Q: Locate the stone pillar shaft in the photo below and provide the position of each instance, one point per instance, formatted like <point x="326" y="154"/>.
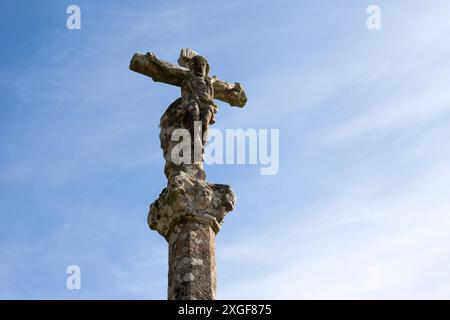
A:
<point x="192" y="263"/>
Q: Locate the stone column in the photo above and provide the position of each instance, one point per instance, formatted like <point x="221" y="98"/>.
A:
<point x="192" y="262"/>
<point x="188" y="214"/>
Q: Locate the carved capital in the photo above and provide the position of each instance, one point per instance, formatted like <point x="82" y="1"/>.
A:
<point x="189" y="198"/>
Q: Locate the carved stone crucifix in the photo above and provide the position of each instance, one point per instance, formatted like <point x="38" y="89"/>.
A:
<point x="189" y="211"/>
<point x="162" y="71"/>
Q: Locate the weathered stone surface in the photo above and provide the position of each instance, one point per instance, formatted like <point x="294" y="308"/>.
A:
<point x="192" y="199"/>
<point x="176" y="117"/>
<point x="186" y="56"/>
<point x="192" y="262"/>
<point x="160" y="71"/>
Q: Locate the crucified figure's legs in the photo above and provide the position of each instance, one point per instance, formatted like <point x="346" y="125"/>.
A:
<point x="205" y="117"/>
<point x="196" y="130"/>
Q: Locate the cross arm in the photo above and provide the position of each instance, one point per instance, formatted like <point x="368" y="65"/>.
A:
<point x="161" y="71"/>
<point x="232" y="93"/>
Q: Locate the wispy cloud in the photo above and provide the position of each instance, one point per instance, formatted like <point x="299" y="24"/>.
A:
<point x="387" y="208"/>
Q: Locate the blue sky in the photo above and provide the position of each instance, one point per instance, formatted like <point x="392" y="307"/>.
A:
<point x="364" y="119"/>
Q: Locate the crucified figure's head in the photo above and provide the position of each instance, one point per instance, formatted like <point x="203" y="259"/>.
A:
<point x="199" y="65"/>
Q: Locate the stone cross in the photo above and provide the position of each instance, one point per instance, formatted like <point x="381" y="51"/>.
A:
<point x="189" y="211"/>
